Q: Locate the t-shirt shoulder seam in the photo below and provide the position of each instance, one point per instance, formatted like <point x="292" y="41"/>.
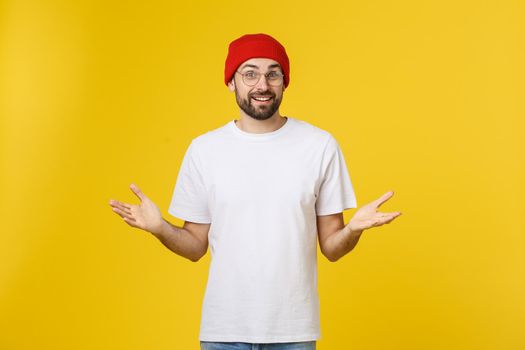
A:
<point x="313" y="127"/>
<point x="338" y="209"/>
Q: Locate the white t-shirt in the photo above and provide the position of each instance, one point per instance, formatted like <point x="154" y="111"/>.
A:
<point x="261" y="193"/>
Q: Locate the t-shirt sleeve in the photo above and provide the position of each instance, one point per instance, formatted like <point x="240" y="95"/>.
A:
<point x="336" y="192"/>
<point x="189" y="201"/>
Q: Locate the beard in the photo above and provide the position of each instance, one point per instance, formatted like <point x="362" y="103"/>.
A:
<point x="261" y="112"/>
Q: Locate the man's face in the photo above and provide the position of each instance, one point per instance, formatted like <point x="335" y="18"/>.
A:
<point x="246" y="96"/>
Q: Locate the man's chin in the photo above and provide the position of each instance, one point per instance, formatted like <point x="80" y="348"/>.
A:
<point x="260" y="116"/>
<point x="263" y="118"/>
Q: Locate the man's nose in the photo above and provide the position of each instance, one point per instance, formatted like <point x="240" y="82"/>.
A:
<point x="262" y="83"/>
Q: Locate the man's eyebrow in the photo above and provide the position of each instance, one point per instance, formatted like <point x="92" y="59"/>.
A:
<point x="276" y="65"/>
<point x="249" y="65"/>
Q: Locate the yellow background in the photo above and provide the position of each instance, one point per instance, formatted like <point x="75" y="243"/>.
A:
<point x="424" y="97"/>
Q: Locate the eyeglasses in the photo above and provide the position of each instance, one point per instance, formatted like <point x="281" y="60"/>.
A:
<point x="251" y="78"/>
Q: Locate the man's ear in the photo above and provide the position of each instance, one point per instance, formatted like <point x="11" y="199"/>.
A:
<point x="231" y="85"/>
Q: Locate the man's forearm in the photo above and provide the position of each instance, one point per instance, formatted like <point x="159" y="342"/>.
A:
<point x="180" y="241"/>
<point x="342" y="242"/>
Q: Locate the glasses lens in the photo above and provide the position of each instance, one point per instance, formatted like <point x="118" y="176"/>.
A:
<point x="251" y="78"/>
<point x="275" y="80"/>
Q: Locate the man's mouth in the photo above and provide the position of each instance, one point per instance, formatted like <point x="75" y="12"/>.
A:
<point x="262" y="99"/>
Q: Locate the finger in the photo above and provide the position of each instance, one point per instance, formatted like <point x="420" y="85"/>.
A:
<point x="122" y="213"/>
<point x="122" y="206"/>
<point x="125" y="205"/>
<point x="131" y="222"/>
<point x="389" y="219"/>
<point x="128" y="212"/>
<point x="383" y="218"/>
<point x="383" y="198"/>
<point x="391" y="214"/>
<point x="137" y="191"/>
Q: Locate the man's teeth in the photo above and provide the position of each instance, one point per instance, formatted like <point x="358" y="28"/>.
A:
<point x="262" y="98"/>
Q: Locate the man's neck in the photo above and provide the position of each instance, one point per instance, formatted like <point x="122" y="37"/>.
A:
<point x="255" y="126"/>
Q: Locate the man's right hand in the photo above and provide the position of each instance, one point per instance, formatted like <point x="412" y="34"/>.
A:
<point x="145" y="216"/>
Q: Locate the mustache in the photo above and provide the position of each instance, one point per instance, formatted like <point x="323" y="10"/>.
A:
<point x="269" y="93"/>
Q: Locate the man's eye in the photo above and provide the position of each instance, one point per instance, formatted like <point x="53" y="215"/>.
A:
<point x="250" y="74"/>
<point x="273" y="75"/>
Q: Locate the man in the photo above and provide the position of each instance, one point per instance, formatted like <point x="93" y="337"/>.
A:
<point x="260" y="191"/>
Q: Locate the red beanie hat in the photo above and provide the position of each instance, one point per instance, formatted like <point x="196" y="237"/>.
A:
<point x="255" y="46"/>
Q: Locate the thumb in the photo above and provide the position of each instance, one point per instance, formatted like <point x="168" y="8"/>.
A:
<point x="384" y="198"/>
<point x="137" y="192"/>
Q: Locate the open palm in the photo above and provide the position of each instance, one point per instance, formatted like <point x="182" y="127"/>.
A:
<point x="146" y="215"/>
<point x="367" y="216"/>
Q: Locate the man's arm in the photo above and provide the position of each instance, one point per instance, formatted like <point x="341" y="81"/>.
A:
<point x="189" y="241"/>
<point x="335" y="239"/>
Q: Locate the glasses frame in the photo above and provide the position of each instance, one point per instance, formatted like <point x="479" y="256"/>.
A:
<point x="259" y="79"/>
